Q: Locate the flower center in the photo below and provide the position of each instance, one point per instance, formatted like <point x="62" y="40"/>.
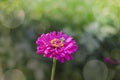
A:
<point x="57" y="42"/>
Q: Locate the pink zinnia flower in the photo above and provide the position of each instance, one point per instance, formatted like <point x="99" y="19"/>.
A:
<point x="56" y="45"/>
<point x="109" y="60"/>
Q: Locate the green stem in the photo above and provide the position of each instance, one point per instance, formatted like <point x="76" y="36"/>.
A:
<point x="53" y="69"/>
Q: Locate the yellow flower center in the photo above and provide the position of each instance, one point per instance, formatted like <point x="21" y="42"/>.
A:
<point x="57" y="42"/>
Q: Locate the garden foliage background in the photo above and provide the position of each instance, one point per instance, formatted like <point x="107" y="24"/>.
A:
<point x="95" y="25"/>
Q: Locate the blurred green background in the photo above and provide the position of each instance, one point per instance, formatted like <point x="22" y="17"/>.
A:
<point x="95" y="25"/>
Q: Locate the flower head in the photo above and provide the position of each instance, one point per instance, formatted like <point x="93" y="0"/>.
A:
<point x="56" y="45"/>
<point x="109" y="60"/>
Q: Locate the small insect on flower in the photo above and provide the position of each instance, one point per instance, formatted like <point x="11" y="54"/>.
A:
<point x="56" y="45"/>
